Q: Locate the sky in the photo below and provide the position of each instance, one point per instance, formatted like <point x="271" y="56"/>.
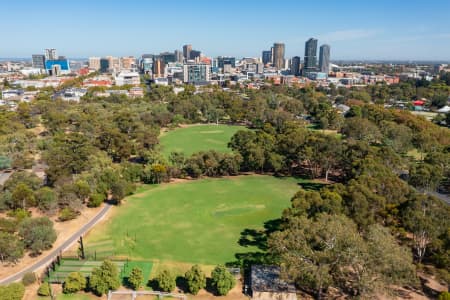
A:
<point x="355" y="29"/>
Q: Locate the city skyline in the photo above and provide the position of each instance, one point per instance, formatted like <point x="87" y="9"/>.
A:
<point x="417" y="31"/>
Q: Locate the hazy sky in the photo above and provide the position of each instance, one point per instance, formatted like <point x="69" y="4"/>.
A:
<point x="355" y="29"/>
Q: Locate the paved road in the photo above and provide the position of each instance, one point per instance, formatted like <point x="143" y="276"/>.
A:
<point x="55" y="252"/>
<point x="443" y="197"/>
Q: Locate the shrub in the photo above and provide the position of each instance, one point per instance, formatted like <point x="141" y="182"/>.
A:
<point x="67" y="214"/>
<point x="166" y="281"/>
<point x="44" y="289"/>
<point x="29" y="279"/>
<point x="222" y="280"/>
<point x="444" y="296"/>
<point x="75" y="282"/>
<point x="95" y="200"/>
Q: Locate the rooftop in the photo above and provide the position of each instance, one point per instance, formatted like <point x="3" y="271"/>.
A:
<point x="267" y="279"/>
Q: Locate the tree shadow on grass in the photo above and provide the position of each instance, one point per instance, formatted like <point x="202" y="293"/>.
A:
<point x="311" y="186"/>
<point x="258" y="239"/>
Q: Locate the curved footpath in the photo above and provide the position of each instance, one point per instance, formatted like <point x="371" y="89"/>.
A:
<point x="43" y="262"/>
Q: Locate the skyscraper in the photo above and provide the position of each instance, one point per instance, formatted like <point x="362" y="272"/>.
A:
<point x="178" y="55"/>
<point x="38" y="61"/>
<point x="324" y="59"/>
<point x="310" y="55"/>
<point x="278" y="55"/>
<point x="266" y="57"/>
<point x="295" y="66"/>
<point x="194" y="54"/>
<point x="50" y="54"/>
<point x="94" y="63"/>
<point x="187" y="51"/>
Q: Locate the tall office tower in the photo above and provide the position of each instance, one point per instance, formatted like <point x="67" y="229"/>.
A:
<point x="178" y="55"/>
<point x="105" y="65"/>
<point x="194" y="54"/>
<point x="187" y="51"/>
<point x="50" y="54"/>
<point x="94" y="63"/>
<point x="266" y="57"/>
<point x="128" y="62"/>
<point x="324" y="59"/>
<point x="168" y="57"/>
<point x="310" y="55"/>
<point x="295" y="66"/>
<point x="278" y="55"/>
<point x="158" y="67"/>
<point x="196" y="73"/>
<point x="38" y="61"/>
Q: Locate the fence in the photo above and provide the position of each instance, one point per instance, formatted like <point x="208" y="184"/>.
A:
<point x="135" y="294"/>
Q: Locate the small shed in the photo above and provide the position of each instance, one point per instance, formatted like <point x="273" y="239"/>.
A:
<point x="266" y="284"/>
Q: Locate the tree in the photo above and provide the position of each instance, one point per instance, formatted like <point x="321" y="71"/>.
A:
<point x="44" y="289"/>
<point x="328" y="251"/>
<point x="166" y="281"/>
<point x="46" y="200"/>
<point x="74" y="282"/>
<point x="135" y="279"/>
<point x="13" y="291"/>
<point x="196" y="279"/>
<point x="38" y="234"/>
<point x="23" y="196"/>
<point x="423" y="217"/>
<point x="11" y="248"/>
<point x="222" y="280"/>
<point x="68" y="154"/>
<point x="361" y="129"/>
<point x="104" y="278"/>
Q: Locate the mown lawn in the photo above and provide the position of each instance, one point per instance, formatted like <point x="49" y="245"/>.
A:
<point x="193" y="222"/>
<point x="197" y="138"/>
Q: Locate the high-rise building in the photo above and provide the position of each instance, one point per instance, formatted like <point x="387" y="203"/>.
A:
<point x="50" y="54"/>
<point x="278" y="55"/>
<point x="158" y="67"/>
<point x="310" y="55"/>
<point x="38" y="61"/>
<point x="295" y="66"/>
<point x="178" y="55"/>
<point x="187" y="51"/>
<point x="104" y="65"/>
<point x="267" y="57"/>
<point x="94" y="63"/>
<point x="128" y="62"/>
<point x="226" y="60"/>
<point x="196" y="73"/>
<point x="324" y="59"/>
<point x="194" y="54"/>
<point x="168" y="57"/>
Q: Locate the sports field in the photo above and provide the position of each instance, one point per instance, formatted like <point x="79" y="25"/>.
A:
<point x="193" y="222"/>
<point x="196" y="138"/>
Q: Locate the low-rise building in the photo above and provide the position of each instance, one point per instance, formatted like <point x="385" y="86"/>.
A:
<point x="131" y="78"/>
<point x="266" y="284"/>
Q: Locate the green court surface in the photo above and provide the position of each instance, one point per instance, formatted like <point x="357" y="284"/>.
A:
<point x="85" y="267"/>
<point x="197" y="138"/>
<point x="193" y="222"/>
